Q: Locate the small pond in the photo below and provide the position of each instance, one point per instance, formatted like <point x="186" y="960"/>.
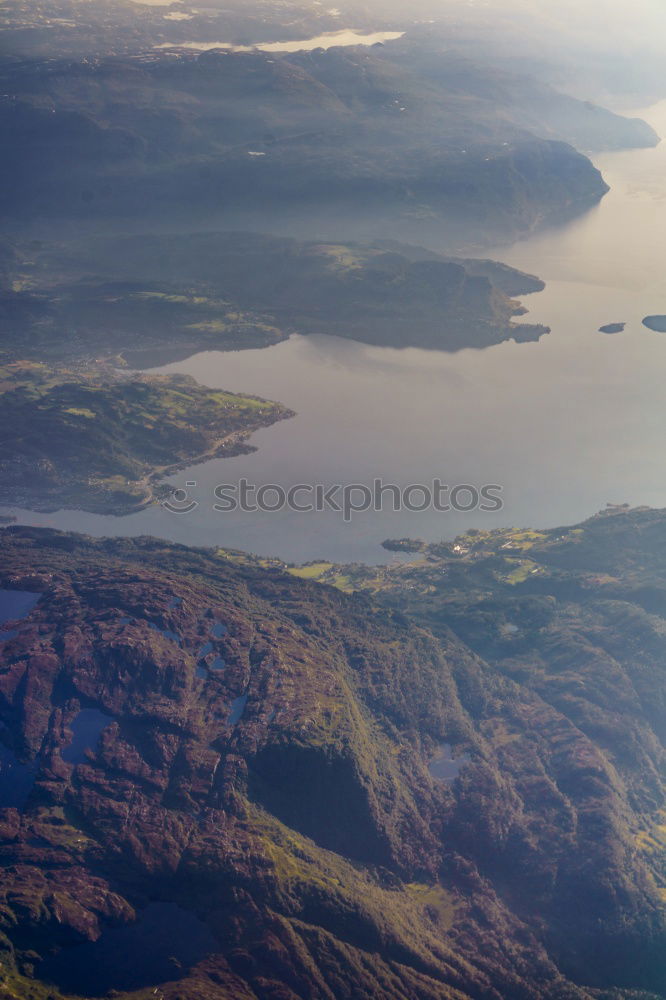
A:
<point x="86" y="728"/>
<point x="15" y="604"/>
<point x="161" y="945"/>
<point x="237" y="710"/>
<point x="16" y="779"/>
<point x="444" y="766"/>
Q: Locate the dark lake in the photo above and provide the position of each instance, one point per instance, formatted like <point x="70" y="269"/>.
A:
<point x="163" y="944"/>
<point x="87" y="729"/>
<point x="16" y="604"/>
<point x="16" y="779"/>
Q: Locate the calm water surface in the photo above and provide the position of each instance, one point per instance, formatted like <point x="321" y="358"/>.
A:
<point x="565" y="425"/>
<point x="328" y="40"/>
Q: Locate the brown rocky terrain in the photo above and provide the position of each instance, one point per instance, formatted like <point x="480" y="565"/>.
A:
<point x="226" y="773"/>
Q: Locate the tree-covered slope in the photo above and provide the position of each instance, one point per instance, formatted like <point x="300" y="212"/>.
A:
<point x="183" y="293"/>
<point x="101" y="440"/>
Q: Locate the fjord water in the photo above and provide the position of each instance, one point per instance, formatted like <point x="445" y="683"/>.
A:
<point x="564" y="425"/>
<point x="328" y="40"/>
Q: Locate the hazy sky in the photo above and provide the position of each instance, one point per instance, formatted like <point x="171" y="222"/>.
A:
<point x="642" y="21"/>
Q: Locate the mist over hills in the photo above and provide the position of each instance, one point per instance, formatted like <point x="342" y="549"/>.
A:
<point x="391" y="141"/>
<point x="592" y="50"/>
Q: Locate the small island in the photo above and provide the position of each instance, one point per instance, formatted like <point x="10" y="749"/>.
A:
<point x="656" y="323"/>
<point x="404" y="544"/>
<point x="612" y="328"/>
<point x="100" y="440"/>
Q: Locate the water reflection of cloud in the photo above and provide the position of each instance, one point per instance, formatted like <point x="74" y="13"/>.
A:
<point x="359" y="359"/>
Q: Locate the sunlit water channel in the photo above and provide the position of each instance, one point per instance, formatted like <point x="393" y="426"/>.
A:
<point x="564" y="425"/>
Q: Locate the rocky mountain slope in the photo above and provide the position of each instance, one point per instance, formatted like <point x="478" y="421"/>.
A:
<point x="237" y="773"/>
